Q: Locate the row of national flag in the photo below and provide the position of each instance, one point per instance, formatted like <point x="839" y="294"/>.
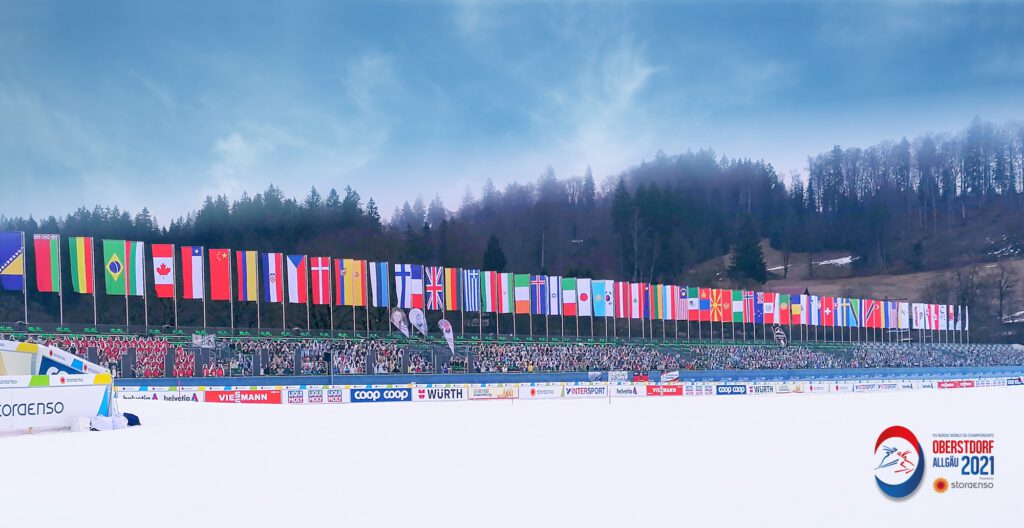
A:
<point x="321" y="280"/>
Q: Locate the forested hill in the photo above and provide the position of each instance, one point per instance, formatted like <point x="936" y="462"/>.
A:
<point x="898" y="206"/>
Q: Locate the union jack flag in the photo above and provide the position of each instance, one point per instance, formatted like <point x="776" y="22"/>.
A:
<point x="434" y="287"/>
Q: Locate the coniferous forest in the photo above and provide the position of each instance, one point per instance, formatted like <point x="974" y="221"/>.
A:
<point x="898" y="206"/>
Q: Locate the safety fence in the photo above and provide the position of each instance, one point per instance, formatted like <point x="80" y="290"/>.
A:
<point x="608" y="385"/>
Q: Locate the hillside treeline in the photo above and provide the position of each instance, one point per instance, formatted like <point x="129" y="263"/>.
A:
<point x="652" y="222"/>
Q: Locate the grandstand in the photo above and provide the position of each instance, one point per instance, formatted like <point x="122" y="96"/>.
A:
<point x="179" y="357"/>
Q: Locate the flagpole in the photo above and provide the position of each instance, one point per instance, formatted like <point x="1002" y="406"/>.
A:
<point x="174" y="250"/>
<point x="127" y="321"/>
<point x="330" y="290"/>
<point x="92" y="266"/>
<point x="60" y="282"/>
<point x="202" y="258"/>
<point x="259" y="321"/>
<point x="231" y="293"/>
<point x="145" y="297"/>
<point x="306" y="257"/>
<point x="366" y="298"/>
<point x="24" y="275"/>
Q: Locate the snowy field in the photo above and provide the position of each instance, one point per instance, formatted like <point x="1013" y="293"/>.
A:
<point x="789" y="460"/>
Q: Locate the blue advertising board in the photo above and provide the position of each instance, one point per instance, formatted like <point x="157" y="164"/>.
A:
<point x="381" y="395"/>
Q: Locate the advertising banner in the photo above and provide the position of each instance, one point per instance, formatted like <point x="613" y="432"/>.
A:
<point x="664" y="390"/>
<point x="818" y="388"/>
<point x="762" y="389"/>
<point x="627" y="391"/>
<point x="338" y="396"/>
<point x="170" y="396"/>
<point x="381" y="395"/>
<point x="295" y="397"/>
<point x="242" y="396"/>
<point x="730" y="389"/>
<point x="540" y="392"/>
<point x="493" y="393"/>
<point x="956" y="384"/>
<point x="425" y="394"/>
<point x="619" y="376"/>
<point x="585" y="391"/>
<point x="23" y="408"/>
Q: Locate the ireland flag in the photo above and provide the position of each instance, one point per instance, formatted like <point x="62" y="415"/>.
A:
<point x="123" y="267"/>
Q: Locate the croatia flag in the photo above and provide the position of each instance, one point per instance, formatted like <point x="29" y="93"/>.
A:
<point x="192" y="272"/>
<point x="273" y="278"/>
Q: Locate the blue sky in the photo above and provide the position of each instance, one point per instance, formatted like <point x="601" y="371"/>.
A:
<point x="159" y="104"/>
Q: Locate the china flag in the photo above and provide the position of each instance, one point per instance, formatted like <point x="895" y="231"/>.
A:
<point x="220" y="274"/>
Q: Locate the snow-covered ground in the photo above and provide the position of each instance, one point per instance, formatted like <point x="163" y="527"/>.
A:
<point x="786" y="460"/>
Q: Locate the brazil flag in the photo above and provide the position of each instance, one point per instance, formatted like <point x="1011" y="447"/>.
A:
<point x="123" y="267"/>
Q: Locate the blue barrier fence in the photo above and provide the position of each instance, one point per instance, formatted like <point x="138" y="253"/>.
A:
<point x="698" y="376"/>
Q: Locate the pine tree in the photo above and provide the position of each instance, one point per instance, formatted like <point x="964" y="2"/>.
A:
<point x="747" y="257"/>
<point x="494" y="256"/>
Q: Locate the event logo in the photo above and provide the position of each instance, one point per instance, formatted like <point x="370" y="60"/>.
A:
<point x="898" y="462"/>
<point x="941" y="485"/>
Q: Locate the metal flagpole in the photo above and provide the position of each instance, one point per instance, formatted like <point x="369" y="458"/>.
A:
<point x="24" y="276"/>
<point x="353" y="320"/>
<point x="60" y="283"/>
<point x="174" y="250"/>
<point x="145" y="297"/>
<point x="202" y="263"/>
<point x="284" y="325"/>
<point x="366" y="298"/>
<point x="306" y="257"/>
<point x="330" y="290"/>
<point x="127" y="321"/>
<point x="259" y="318"/>
<point x="388" y="301"/>
<point x="92" y="266"/>
<point x="231" y="293"/>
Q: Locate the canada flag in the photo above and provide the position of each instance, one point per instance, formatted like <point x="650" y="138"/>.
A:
<point x="163" y="270"/>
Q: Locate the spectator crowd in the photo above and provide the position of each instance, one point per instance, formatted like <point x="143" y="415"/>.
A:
<point x="286" y="357"/>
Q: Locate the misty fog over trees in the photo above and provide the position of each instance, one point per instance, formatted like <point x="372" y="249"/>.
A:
<point x="649" y="223"/>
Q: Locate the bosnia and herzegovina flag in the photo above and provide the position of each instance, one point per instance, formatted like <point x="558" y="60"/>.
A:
<point x="124" y="267"/>
<point x="12" y="261"/>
